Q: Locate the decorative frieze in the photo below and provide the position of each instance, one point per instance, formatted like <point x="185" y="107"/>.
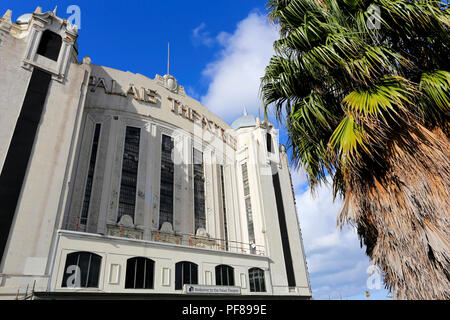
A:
<point x="167" y="237"/>
<point x="126" y="232"/>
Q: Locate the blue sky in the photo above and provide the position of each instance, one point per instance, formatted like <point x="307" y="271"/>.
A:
<point x="218" y="53"/>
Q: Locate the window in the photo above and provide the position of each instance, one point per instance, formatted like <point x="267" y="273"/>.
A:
<point x="82" y="270"/>
<point x="139" y="273"/>
<point x="224" y="209"/>
<point x="166" y="191"/>
<point x="199" y="190"/>
<point x="269" y="142"/>
<point x="90" y="177"/>
<point x="283" y="231"/>
<point x="248" y="208"/>
<point x="224" y="275"/>
<point x="50" y="45"/>
<point x="256" y="278"/>
<point x="127" y="199"/>
<point x="19" y="152"/>
<point x="185" y="273"/>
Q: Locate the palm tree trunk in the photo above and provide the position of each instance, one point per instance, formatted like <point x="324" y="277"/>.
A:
<point x="402" y="212"/>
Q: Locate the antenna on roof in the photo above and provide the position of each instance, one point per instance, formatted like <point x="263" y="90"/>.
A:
<point x="168" y="58"/>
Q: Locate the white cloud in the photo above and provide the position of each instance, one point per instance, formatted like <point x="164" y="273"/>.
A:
<point x="235" y="75"/>
<point x="201" y="36"/>
<point x="299" y="179"/>
<point x="337" y="264"/>
<point x="192" y="92"/>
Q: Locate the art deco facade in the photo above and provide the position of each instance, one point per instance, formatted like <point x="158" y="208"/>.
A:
<point x="117" y="185"/>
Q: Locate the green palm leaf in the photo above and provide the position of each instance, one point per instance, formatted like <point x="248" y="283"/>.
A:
<point x="436" y="87"/>
<point x="348" y="137"/>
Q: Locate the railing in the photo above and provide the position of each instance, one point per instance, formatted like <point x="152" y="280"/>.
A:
<point x="191" y="240"/>
<point x="27" y="295"/>
<point x="80" y="226"/>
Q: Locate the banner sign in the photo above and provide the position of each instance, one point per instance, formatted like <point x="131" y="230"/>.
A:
<point x="211" y="290"/>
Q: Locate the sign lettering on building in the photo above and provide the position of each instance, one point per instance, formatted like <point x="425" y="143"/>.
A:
<point x="192" y="115"/>
<point x="111" y="87"/>
<point x="211" y="290"/>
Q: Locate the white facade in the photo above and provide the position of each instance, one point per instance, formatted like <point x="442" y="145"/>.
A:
<point x="97" y="185"/>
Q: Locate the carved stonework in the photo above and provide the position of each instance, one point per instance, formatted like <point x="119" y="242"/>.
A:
<point x="170" y="83"/>
<point x="202" y="242"/>
<point x="126" y="221"/>
<point x="165" y="130"/>
<point x="166" y="237"/>
<point x="167" y="228"/>
<point x="36" y="24"/>
<point x="126" y="232"/>
<point x="5" y="22"/>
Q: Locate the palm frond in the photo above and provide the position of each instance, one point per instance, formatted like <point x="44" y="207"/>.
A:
<point x="436" y="87"/>
<point x="349" y="137"/>
<point x="391" y="94"/>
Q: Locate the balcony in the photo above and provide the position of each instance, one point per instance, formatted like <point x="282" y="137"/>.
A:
<point x="166" y="250"/>
<point x="197" y="241"/>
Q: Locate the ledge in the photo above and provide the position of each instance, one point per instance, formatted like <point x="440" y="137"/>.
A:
<point x="157" y="296"/>
<point x="155" y="243"/>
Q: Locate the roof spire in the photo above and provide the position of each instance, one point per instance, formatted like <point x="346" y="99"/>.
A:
<point x="245" y="111"/>
<point x="7" y="16"/>
<point x="168" y="58"/>
<point x="6" y="23"/>
<point x="55" y="11"/>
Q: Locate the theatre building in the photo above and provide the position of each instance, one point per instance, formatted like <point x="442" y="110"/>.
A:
<point x="116" y="185"/>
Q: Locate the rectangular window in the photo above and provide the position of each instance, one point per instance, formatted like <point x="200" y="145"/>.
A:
<point x="139" y="274"/>
<point x="199" y="190"/>
<point x="224" y="209"/>
<point x="224" y="275"/>
<point x="269" y="142"/>
<point x="90" y="177"/>
<point x="19" y="152"/>
<point x="50" y="45"/>
<point x="167" y="178"/>
<point x="82" y="270"/>
<point x="284" y="232"/>
<point x="128" y="185"/>
<point x="248" y="207"/>
<point x="185" y="273"/>
<point x="256" y="279"/>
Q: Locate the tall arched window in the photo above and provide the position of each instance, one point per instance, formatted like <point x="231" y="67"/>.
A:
<point x="224" y="275"/>
<point x="139" y="273"/>
<point x="130" y="166"/>
<point x="185" y="273"/>
<point x="167" y="178"/>
<point x="199" y="190"/>
<point x="50" y="45"/>
<point x="90" y="177"/>
<point x="248" y="208"/>
<point x="82" y="270"/>
<point x="257" y="281"/>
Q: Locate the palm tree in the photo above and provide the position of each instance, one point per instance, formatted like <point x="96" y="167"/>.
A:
<point x="366" y="100"/>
